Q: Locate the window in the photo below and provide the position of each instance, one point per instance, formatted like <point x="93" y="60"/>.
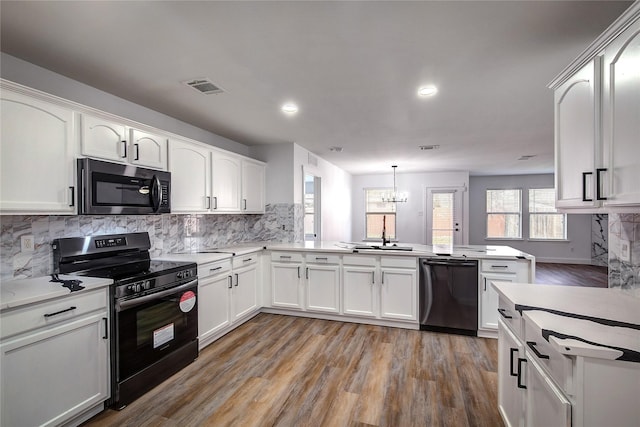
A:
<point x="544" y="221"/>
<point x="378" y="212"/>
<point x="504" y="214"/>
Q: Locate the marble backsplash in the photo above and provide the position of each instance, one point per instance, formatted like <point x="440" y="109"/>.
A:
<point x="624" y="252"/>
<point x="168" y="233"/>
<point x="600" y="239"/>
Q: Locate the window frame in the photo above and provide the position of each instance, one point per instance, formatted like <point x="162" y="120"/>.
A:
<point x="367" y="213"/>
<point x="555" y="213"/>
<point x="519" y="213"/>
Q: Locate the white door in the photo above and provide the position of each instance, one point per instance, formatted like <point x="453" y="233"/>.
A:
<point x="253" y="182"/>
<point x="148" y="150"/>
<point x="190" y="169"/>
<point x="489" y="298"/>
<point x="359" y="284"/>
<point x="245" y="292"/>
<point x="510" y="396"/>
<point x="225" y="186"/>
<point x="104" y="139"/>
<point x="398" y="294"/>
<point x="285" y="285"/>
<point x="323" y="288"/>
<point x="445" y="216"/>
<point x="312" y="197"/>
<point x="213" y="306"/>
<point x="545" y="404"/>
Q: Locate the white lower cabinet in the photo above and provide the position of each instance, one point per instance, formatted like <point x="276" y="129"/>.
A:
<point x="322" y="277"/>
<point x="55" y="373"/>
<point x="398" y="288"/>
<point x="546" y="405"/>
<point x="244" y="293"/>
<point x="499" y="271"/>
<point x="359" y="292"/>
<point x="286" y="280"/>
<point x="510" y="395"/>
<point x="214" y="295"/>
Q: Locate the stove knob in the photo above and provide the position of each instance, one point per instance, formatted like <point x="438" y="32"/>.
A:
<point x="147" y="284"/>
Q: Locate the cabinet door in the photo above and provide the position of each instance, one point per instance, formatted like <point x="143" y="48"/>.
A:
<point x="253" y="182"/>
<point x="398" y="294"/>
<point x="37" y="156"/>
<point x="213" y="306"/>
<point x="576" y="117"/>
<point x="190" y="169"/>
<point x="148" y="150"/>
<point x="545" y="404"/>
<point x="510" y="396"/>
<point x="225" y="186"/>
<point x="245" y="292"/>
<point x="359" y="291"/>
<point x="323" y="288"/>
<point x="285" y="285"/>
<point x="622" y="117"/>
<point x="489" y="298"/>
<point x="104" y="139"/>
<point x="55" y="373"/>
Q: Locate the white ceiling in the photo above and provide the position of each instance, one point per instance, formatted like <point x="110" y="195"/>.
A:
<point x="352" y="67"/>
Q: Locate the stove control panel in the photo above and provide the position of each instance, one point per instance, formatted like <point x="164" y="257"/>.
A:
<point x="185" y="274"/>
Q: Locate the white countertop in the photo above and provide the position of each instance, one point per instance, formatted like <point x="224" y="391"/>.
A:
<point x="206" y="255"/>
<point x="15" y="293"/>
<point x="580" y="321"/>
<point x="463" y="251"/>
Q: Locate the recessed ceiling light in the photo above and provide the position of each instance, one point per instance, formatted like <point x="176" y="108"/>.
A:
<point x="290" y="108"/>
<point x="427" y="91"/>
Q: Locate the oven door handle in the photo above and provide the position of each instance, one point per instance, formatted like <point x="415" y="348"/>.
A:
<point x="123" y="305"/>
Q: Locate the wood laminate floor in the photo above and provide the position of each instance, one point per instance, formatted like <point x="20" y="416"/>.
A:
<point x="288" y="371"/>
<point x="572" y="275"/>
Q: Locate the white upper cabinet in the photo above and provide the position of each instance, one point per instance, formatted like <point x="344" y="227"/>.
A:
<point x="226" y="182"/>
<point x="621" y="118"/>
<point x="576" y="117"/>
<point x="597" y="121"/>
<point x="104" y="139"/>
<point x="109" y="140"/>
<point x="190" y="168"/>
<point x="253" y="186"/>
<point x="37" y="156"/>
<point x="148" y="149"/>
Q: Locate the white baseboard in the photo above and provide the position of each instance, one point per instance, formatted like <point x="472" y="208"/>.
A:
<point x="586" y="261"/>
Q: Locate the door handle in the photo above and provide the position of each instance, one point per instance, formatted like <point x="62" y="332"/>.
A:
<point x="215" y="202"/>
<point x="584" y="186"/>
<point x="306" y="273"/>
<point x="511" y="353"/>
<point x="208" y="202"/>
<point x="73" y="196"/>
<point x="60" y="312"/>
<point x="599" y="184"/>
<point x="137" y="151"/>
<point x="237" y="279"/>
<point x="106" y="329"/>
<point x="124" y="144"/>
<point x="503" y="313"/>
<point x="519" y="375"/>
<point x="230" y="282"/>
<point x="244" y="203"/>
<point x="532" y="346"/>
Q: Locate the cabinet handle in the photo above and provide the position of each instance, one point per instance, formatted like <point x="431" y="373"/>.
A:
<point x="244" y="203"/>
<point x="208" y="202"/>
<point x="598" y="183"/>
<point x="511" y="352"/>
<point x="298" y="272"/>
<point x="60" y="312"/>
<point x="124" y="144"/>
<point x="520" y="385"/>
<point x="503" y="313"/>
<point x="237" y="279"/>
<point x="323" y="258"/>
<point x="382" y="276"/>
<point x="106" y="329"/>
<point x="215" y="269"/>
<point x="285" y="256"/>
<point x="485" y="284"/>
<point x="215" y="202"/>
<point x="247" y="260"/>
<point x="584" y="186"/>
<point x="373" y="278"/>
<point x="137" y="151"/>
<point x="230" y="281"/>
<point x="532" y="346"/>
<point x="499" y="266"/>
<point x="306" y="273"/>
<point x="73" y="196"/>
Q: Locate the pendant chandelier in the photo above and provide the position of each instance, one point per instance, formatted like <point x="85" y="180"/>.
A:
<point x="394" y="196"/>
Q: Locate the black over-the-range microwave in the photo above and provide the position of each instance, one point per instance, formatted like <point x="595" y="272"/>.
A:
<point x="107" y="188"/>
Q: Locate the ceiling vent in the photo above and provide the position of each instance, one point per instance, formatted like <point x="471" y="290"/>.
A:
<point x="527" y="157"/>
<point x="429" y="147"/>
<point x="204" y="85"/>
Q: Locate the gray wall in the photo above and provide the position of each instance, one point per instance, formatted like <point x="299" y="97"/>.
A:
<point x="577" y="248"/>
<point x="27" y="74"/>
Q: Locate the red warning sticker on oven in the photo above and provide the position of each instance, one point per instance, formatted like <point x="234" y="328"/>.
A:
<point x="187" y="301"/>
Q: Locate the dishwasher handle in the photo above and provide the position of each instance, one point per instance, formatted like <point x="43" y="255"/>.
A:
<point x="456" y="263"/>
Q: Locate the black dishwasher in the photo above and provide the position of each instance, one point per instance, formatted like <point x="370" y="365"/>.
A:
<point x="449" y="295"/>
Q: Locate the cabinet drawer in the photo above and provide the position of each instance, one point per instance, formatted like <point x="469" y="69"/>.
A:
<point x="322" y="259"/>
<point x="53" y="311"/>
<point x="214" y="268"/>
<point x="369" y="261"/>
<point x="400" y="262"/>
<point x="510" y="316"/>
<point x="245" y="260"/>
<point x="286" y="257"/>
<point x="558" y="366"/>
<point x="497" y="265"/>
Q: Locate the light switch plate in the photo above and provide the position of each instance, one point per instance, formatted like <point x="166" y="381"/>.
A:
<point x="625" y="250"/>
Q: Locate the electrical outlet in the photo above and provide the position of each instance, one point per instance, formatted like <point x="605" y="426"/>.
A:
<point x="26" y="243"/>
<point x="625" y="250"/>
